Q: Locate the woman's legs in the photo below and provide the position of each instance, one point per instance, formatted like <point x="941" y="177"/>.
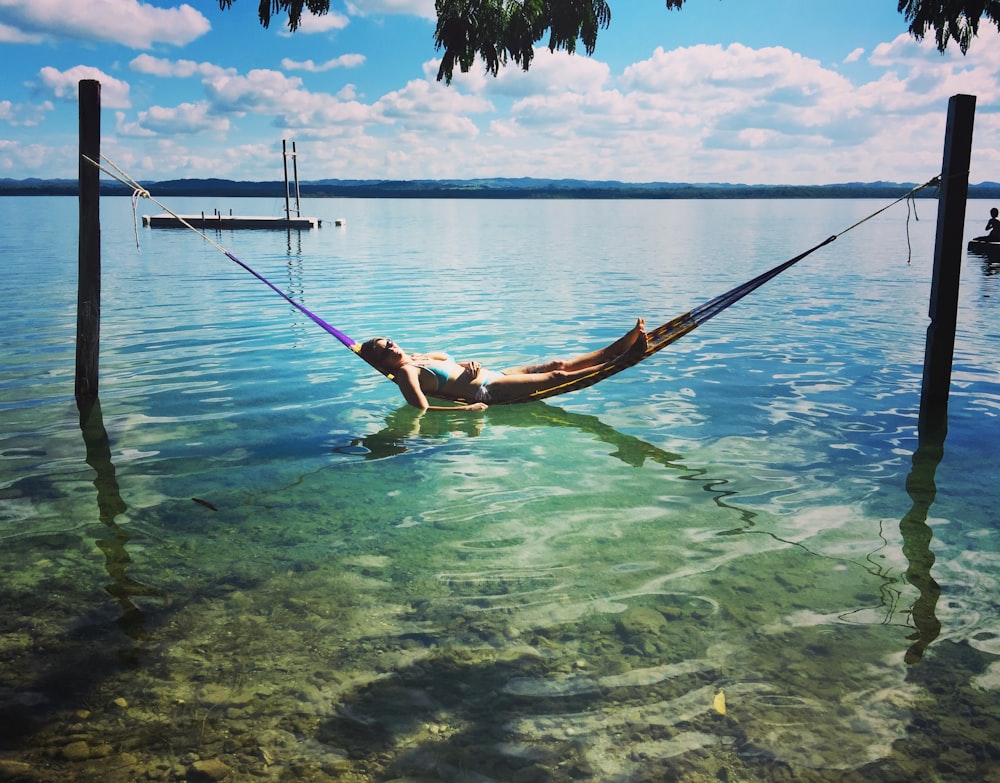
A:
<point x="636" y="336"/>
<point x="513" y="385"/>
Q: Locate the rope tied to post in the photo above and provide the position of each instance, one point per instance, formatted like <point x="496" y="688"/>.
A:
<point x="138" y="191"/>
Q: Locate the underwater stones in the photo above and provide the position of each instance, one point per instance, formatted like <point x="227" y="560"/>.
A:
<point x="637" y="621"/>
<point x="640" y="627"/>
<point x="10" y="769"/>
<point x="207" y="771"/>
<point x="536" y="773"/>
<point x="76" y="751"/>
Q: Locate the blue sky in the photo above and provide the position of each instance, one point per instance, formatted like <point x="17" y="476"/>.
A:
<point x="761" y="91"/>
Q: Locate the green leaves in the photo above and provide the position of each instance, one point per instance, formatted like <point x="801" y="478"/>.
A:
<point x="267" y="8"/>
<point x="500" y="31"/>
<point x="951" y="20"/>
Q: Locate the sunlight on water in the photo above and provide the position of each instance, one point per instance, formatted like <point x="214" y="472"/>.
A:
<point x="251" y="553"/>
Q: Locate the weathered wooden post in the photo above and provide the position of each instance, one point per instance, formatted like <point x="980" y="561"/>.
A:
<point x="938" y="356"/>
<point x="948" y="252"/>
<point x="88" y="303"/>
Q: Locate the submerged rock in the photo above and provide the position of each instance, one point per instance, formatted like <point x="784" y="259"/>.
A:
<point x="76" y="751"/>
<point x="638" y="621"/>
<point x="207" y="771"/>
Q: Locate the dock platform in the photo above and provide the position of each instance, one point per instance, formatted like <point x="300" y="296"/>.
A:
<point x="219" y="221"/>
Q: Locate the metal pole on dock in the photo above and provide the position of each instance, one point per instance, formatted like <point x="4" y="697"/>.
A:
<point x="88" y="304"/>
<point x="940" y="345"/>
<point x="295" y="168"/>
<point x="284" y="159"/>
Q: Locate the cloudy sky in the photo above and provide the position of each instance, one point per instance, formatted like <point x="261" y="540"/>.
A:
<point x="750" y="91"/>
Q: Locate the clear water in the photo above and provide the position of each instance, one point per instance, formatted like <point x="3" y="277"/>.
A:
<point x="253" y="554"/>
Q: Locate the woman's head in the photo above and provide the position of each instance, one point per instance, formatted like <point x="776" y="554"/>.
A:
<point x="378" y="351"/>
<point x="994" y="212"/>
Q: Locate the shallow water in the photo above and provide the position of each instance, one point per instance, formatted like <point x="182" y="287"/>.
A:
<point x="251" y="554"/>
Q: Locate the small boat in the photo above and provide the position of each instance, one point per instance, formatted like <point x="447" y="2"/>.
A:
<point x="984" y="248"/>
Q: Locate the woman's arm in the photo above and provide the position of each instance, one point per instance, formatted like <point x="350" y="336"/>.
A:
<point x="408" y="380"/>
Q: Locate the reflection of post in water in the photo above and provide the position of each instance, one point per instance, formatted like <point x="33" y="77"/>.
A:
<point x="917" y="533"/>
<point x="110" y="505"/>
<point x="939" y="355"/>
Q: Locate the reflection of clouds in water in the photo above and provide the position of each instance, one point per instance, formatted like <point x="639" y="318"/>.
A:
<point x="988" y="680"/>
<point x="968" y="609"/>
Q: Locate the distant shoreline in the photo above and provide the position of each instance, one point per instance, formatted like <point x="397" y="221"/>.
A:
<point x="500" y="188"/>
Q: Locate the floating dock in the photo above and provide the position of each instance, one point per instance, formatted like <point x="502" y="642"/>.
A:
<point x="223" y="222"/>
<point x="219" y="221"/>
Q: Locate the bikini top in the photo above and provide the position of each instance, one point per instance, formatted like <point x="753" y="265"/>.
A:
<point x="435" y="368"/>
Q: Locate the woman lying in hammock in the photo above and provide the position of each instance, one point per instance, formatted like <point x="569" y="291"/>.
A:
<point x="438" y="375"/>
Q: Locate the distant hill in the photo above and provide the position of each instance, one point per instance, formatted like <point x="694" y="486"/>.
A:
<point x="500" y="187"/>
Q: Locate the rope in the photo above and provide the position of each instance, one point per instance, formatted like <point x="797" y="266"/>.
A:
<point x="931" y="182"/>
<point x="140" y="192"/>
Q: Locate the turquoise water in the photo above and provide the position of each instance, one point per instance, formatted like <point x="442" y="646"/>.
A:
<point x="251" y="554"/>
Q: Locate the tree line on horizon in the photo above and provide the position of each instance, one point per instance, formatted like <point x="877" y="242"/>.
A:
<point x="512" y="188"/>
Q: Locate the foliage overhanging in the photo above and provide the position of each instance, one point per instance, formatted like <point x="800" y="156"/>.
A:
<point x="502" y="31"/>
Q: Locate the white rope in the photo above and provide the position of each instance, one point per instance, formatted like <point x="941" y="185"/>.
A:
<point x="138" y="191"/>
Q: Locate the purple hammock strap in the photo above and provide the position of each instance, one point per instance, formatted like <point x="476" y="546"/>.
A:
<point x="352" y="344"/>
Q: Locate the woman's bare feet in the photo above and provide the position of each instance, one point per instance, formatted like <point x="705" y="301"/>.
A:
<point x="638" y="341"/>
<point x="634" y="340"/>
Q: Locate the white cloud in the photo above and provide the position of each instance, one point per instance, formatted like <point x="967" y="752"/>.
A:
<point x="24" y="115"/>
<point x="918" y="77"/>
<point x="698" y="113"/>
<point x="158" y="66"/>
<point x="429" y="106"/>
<point x="130" y="130"/>
<point x="322" y="23"/>
<point x="711" y="113"/>
<point x="35" y="115"/>
<point x="10" y="34"/>
<point x="854" y="56"/>
<point x="19" y="156"/>
<point x="422" y="8"/>
<point x="127" y="22"/>
<point x="65" y="85"/>
<point x="267" y="92"/>
<point x="185" y="119"/>
<point x="344" y="61"/>
<point x="550" y="73"/>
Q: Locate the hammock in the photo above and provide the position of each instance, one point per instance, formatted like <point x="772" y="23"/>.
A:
<point x="663" y="335"/>
<point x="657" y="339"/>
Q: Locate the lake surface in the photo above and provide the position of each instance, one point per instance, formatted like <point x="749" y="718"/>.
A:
<point x="250" y="555"/>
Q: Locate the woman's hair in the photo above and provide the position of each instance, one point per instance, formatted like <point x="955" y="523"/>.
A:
<point x="369" y="350"/>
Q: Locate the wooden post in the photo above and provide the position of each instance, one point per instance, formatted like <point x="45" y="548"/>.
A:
<point x="88" y="304"/>
<point x="948" y="253"/>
